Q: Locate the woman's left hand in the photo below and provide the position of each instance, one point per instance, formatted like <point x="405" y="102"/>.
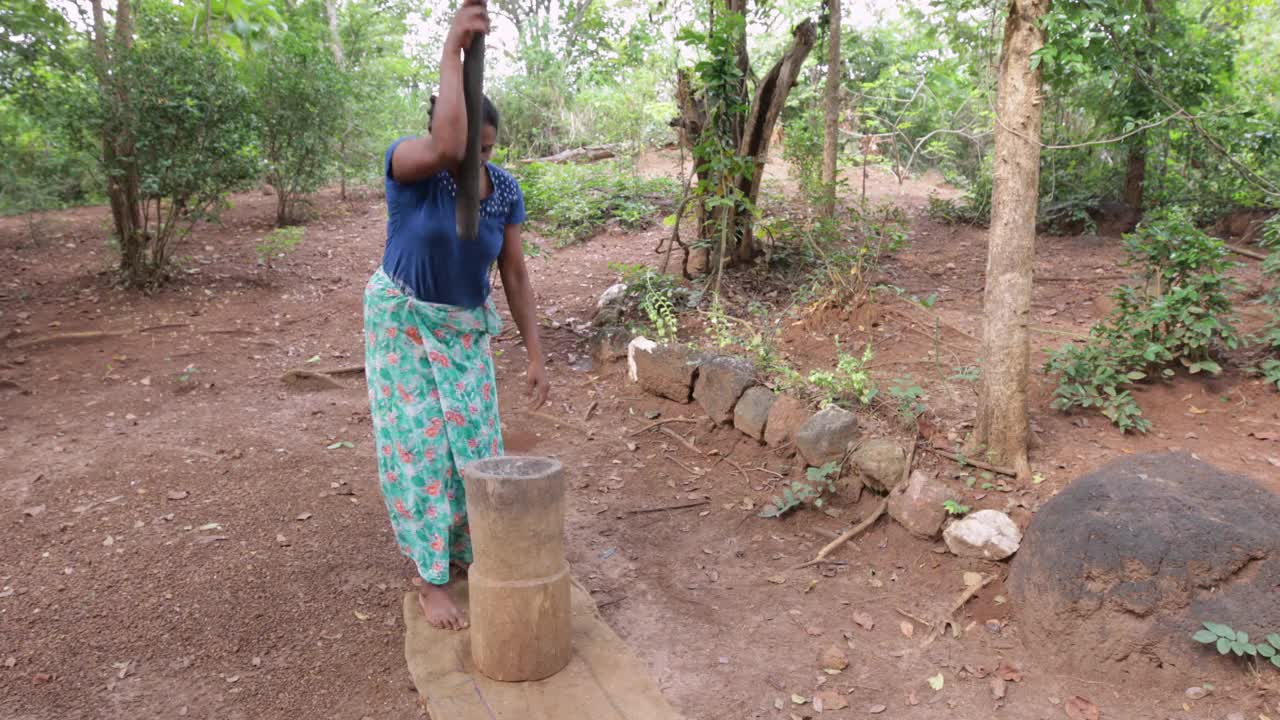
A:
<point x="538" y="384"/>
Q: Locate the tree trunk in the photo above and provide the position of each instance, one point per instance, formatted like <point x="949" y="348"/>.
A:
<point x="771" y="96"/>
<point x="1135" y="174"/>
<point x="831" y="110"/>
<point x="335" y="39"/>
<point x="1002" y="428"/>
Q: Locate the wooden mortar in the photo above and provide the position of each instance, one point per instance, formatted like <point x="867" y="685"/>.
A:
<point x="519" y="581"/>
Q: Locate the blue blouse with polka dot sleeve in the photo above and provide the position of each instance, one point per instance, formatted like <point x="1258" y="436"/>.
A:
<point x="424" y="253"/>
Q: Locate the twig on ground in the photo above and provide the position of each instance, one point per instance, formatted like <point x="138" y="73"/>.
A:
<point x="949" y="619"/>
<point x="970" y="461"/>
<point x="767" y="471"/>
<point x="682" y="441"/>
<point x="846" y="535"/>
<point x="67" y="337"/>
<point x="738" y="467"/>
<point x="916" y="618"/>
<point x="664" y="508"/>
<point x="660" y="423"/>
<point x="686" y="468"/>
<point x="1244" y="252"/>
<point x="166" y="326"/>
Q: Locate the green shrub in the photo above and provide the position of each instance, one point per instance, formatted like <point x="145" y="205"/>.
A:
<point x="570" y="202"/>
<point x="818" y="481"/>
<point x="1181" y="314"/>
<point x="1269" y="338"/>
<point x="279" y="242"/>
<point x="1228" y="641"/>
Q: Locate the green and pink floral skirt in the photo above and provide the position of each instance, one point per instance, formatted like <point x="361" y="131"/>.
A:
<point x="435" y="408"/>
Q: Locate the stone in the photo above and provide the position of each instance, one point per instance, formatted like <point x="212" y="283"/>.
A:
<point x="786" y="415"/>
<point x="1118" y="570"/>
<point x="663" y="370"/>
<point x="879" y="464"/>
<point x="720" y="383"/>
<point x="826" y="436"/>
<point x="612" y="295"/>
<point x="986" y="534"/>
<point x="917" y="504"/>
<point x="609" y="344"/>
<point x="751" y="414"/>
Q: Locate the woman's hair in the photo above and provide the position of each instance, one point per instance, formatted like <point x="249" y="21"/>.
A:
<point x="490" y="113"/>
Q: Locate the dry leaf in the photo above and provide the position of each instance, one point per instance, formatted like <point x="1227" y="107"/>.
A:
<point x="997" y="687"/>
<point x="876" y="709"/>
<point x="360" y="616"/>
<point x="1264" y="435"/>
<point x="972" y="579"/>
<point x="937" y="681"/>
<point x="778" y="579"/>
<point x="778" y="704"/>
<point x="864" y="620"/>
<point x="177" y="494"/>
<point x="1080" y="709"/>
<point x="833" y="658"/>
<point x="33" y="510"/>
<point x="109" y="541"/>
<point x="1196" y="411"/>
<point x="799" y="699"/>
<point x="829" y="700"/>
<point x="907" y="628"/>
<point x="812" y="584"/>
<point x="1008" y="672"/>
<point x="303" y="516"/>
<point x="10" y="661"/>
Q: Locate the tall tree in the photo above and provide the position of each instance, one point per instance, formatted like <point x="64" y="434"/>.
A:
<point x="1003" y="427"/>
<point x="831" y="109"/>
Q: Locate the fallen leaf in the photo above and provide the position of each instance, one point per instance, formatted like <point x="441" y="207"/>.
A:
<point x="109" y="541"/>
<point x="972" y="579"/>
<point x="303" y="516"/>
<point x="907" y="628"/>
<point x="210" y="526"/>
<point x="829" y="700"/>
<point x="340" y="444"/>
<point x="778" y="704"/>
<point x="33" y="510"/>
<point x="1264" y="435"/>
<point x="206" y="539"/>
<point x="232" y="678"/>
<point x="284" y="541"/>
<point x="833" y="658"/>
<point x="876" y="709"/>
<point x="10" y="661"/>
<point x="145" y="381"/>
<point x="313" y="359"/>
<point x="1197" y="692"/>
<point x="1274" y="461"/>
<point x="177" y="494"/>
<point x="40" y="679"/>
<point x="778" y="579"/>
<point x="997" y="687"/>
<point x="123" y="668"/>
<point x="912" y="700"/>
<point x="360" y="616"/>
<point x="1008" y="672"/>
<point x="864" y="620"/>
<point x="1079" y="708"/>
<point x="1195" y="410"/>
<point x="812" y="584"/>
<point x="937" y="681"/>
<point x="799" y="699"/>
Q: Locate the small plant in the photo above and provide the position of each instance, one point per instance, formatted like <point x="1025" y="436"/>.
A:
<point x="655" y="295"/>
<point x="278" y="243"/>
<point x="1179" y="315"/>
<point x="954" y="508"/>
<point x="1269" y="337"/>
<point x="757" y="341"/>
<point x="818" y="481"/>
<point x="1229" y="641"/>
<point x="907" y="398"/>
<point x="850" y="381"/>
<point x="966" y="373"/>
<point x="571" y="202"/>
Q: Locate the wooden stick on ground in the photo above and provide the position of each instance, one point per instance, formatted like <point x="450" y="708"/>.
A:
<point x="664" y="508"/>
<point x="846" y="535"/>
<point x="681" y="440"/>
<point x="1244" y="252"/>
<point x="871" y="519"/>
<point x="949" y="619"/>
<point x="970" y="461"/>
<point x="660" y="423"/>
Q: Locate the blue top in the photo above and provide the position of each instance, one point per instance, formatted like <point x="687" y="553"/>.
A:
<point x="424" y="253"/>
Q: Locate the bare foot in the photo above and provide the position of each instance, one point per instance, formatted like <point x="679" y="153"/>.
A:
<point x="438" y="607"/>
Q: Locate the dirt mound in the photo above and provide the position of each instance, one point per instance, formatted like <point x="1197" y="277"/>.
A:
<point x="1125" y="563"/>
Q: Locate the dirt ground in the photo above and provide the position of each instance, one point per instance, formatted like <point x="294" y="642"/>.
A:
<point x="187" y="535"/>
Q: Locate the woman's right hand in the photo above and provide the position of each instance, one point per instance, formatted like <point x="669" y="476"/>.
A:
<point x="471" y="18"/>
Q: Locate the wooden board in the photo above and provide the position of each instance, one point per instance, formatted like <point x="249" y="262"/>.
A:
<point x="604" y="680"/>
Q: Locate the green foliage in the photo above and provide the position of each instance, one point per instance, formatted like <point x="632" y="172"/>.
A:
<point x="850" y="381"/>
<point x="818" y="482"/>
<point x="1269" y="337"/>
<point x="908" y="400"/>
<point x="973" y="208"/>
<point x="655" y="295"/>
<point x="758" y="340"/>
<point x="571" y="202"/>
<point x="954" y="508"/>
<point x="191" y="140"/>
<point x="1228" y="641"/>
<point x="1180" y="315"/>
<point x="299" y="96"/>
<point x="278" y="243"/>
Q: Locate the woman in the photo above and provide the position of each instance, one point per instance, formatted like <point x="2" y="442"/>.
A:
<point x="428" y="320"/>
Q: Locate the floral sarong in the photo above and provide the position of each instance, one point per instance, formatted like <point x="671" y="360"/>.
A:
<point x="435" y="408"/>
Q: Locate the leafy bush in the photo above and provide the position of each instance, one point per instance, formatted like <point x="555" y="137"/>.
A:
<point x="653" y="294"/>
<point x="972" y="209"/>
<point x="1269" y="338"/>
<point x="1180" y="315"/>
<point x="850" y="382"/>
<point x="908" y="400"/>
<point x="570" y="202"/>
<point x="299" y="95"/>
<point x="818" y="481"/>
<point x="278" y="242"/>
<point x="1228" y="641"/>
